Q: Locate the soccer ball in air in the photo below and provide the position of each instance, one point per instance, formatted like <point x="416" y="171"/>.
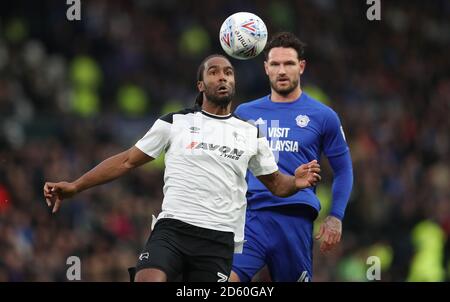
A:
<point x="243" y="35"/>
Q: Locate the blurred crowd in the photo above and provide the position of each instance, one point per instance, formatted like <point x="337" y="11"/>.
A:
<point x="75" y="92"/>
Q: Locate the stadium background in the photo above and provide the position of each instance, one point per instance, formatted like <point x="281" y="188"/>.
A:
<point x="74" y="93"/>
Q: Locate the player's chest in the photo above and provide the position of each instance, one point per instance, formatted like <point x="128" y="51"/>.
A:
<point x="290" y="127"/>
<point x="216" y="139"/>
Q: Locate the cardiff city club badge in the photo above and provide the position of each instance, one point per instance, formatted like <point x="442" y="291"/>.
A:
<point x="302" y="120"/>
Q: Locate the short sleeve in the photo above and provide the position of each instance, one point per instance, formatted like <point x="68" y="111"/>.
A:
<point x="156" y="139"/>
<point x="334" y="139"/>
<point x="263" y="162"/>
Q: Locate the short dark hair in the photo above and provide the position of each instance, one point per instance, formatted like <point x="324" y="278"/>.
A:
<point x="286" y="40"/>
<point x="200" y="70"/>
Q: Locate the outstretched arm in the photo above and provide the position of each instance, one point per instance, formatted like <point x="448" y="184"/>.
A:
<point x="106" y="171"/>
<point x="283" y="185"/>
<point x="331" y="229"/>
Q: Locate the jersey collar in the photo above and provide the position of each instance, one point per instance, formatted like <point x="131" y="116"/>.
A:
<point x="220" y="117"/>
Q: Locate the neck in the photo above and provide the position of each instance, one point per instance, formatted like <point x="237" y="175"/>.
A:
<point x="280" y="98"/>
<point x="215" y="109"/>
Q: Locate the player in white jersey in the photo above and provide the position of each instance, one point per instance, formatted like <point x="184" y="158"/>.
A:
<point x="208" y="151"/>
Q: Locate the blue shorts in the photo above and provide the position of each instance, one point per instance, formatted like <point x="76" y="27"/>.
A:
<point x="280" y="237"/>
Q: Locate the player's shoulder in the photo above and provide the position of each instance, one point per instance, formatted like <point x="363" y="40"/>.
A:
<point x="325" y="110"/>
<point x="242" y="121"/>
<point x="244" y="107"/>
<point x="246" y="124"/>
<point x="316" y="103"/>
<point x="169" y="116"/>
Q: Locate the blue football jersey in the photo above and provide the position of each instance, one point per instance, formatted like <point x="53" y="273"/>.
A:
<point x="298" y="132"/>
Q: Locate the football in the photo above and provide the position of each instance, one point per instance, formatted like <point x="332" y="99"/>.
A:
<point x="243" y="35"/>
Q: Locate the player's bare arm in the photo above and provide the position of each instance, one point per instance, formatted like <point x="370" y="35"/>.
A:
<point x="283" y="185"/>
<point x="106" y="171"/>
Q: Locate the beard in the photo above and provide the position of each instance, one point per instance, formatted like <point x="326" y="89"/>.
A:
<point x="219" y="100"/>
<point x="284" y="90"/>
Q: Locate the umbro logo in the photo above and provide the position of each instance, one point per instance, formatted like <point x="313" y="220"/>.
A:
<point x="194" y="129"/>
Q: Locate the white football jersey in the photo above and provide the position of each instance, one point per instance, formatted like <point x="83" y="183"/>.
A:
<point x="206" y="158"/>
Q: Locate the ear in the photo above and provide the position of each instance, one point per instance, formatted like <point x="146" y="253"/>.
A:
<point x="201" y="86"/>
<point x="266" y="67"/>
<point x="302" y="66"/>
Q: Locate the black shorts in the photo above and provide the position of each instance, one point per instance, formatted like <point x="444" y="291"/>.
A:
<point x="188" y="253"/>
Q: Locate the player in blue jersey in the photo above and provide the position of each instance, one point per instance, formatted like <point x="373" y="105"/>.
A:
<point x="279" y="231"/>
